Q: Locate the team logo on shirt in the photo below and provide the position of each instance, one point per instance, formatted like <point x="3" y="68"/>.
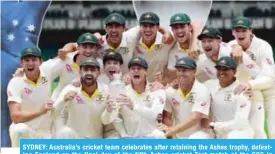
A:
<point x="158" y="46"/>
<point x="191" y="98"/>
<point x="44" y="80"/>
<point x="161" y="100"/>
<point x="79" y="100"/>
<point x="147" y="99"/>
<point x="123" y="50"/>
<point x="100" y="98"/>
<point x="228" y="97"/>
<point x="27" y="91"/>
<point x="251" y="55"/>
<point x="69" y="68"/>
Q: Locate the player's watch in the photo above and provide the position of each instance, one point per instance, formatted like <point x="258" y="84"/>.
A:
<point x="212" y="124"/>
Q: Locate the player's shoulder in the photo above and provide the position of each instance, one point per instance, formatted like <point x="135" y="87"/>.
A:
<point x="211" y="83"/>
<point x="19" y="80"/>
<point x="199" y="87"/>
<point x="232" y="42"/>
<point x="261" y="42"/>
<point x="103" y="87"/>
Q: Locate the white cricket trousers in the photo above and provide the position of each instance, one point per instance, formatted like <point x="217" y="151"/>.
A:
<point x="257" y="115"/>
<point x="269" y="104"/>
<point x="23" y="131"/>
<point x="246" y="133"/>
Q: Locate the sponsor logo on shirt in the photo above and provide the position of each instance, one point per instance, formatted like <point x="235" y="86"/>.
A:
<point x="250" y="66"/>
<point x="10" y="94"/>
<point x="138" y="50"/>
<point x="208" y="71"/>
<point x="203" y="103"/>
<point x="79" y="100"/>
<point x="27" y="91"/>
<point x="69" y="68"/>
<point x="243" y="105"/>
<point x="269" y="61"/>
<point x="175" y="102"/>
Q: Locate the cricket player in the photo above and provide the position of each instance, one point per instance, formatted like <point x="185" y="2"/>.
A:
<point x="84" y="104"/>
<point x="140" y="107"/>
<point x="230" y="109"/>
<point x="151" y="46"/>
<point x="188" y="105"/>
<point x="185" y="33"/>
<point x="29" y="98"/>
<point x="259" y="51"/>
<point x="119" y="39"/>
<point x="257" y="79"/>
<point x="88" y="46"/>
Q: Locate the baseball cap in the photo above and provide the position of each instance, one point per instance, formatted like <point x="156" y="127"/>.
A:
<point x="149" y="17"/>
<point x="138" y="61"/>
<point x="226" y="61"/>
<point x="186" y="62"/>
<point x="210" y="32"/>
<point x="242" y="22"/>
<point x="180" y="18"/>
<point x="89" y="62"/>
<point x="87" y="38"/>
<point x="32" y="51"/>
<point x="111" y="55"/>
<point x="115" y="18"/>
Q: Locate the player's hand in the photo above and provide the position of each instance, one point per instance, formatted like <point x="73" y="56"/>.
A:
<point x="126" y="78"/>
<point x="47" y="106"/>
<point x="205" y="123"/>
<point x="156" y="86"/>
<point x="62" y="53"/>
<point x="99" y="37"/>
<point x="76" y="83"/>
<point x="167" y="38"/>
<point x="19" y="72"/>
<point x="162" y="127"/>
<point x="193" y="54"/>
<point x="125" y="100"/>
<point x="69" y="96"/>
<point x="174" y="84"/>
<point x="169" y="132"/>
<point x="244" y="88"/>
<point x="110" y="103"/>
<point x="237" y="53"/>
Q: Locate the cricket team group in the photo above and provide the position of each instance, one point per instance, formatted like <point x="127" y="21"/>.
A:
<point x="148" y="82"/>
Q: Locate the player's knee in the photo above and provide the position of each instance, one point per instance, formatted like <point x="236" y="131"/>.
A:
<point x="20" y="129"/>
<point x="66" y="133"/>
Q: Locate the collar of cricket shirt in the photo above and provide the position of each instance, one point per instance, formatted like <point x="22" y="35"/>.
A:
<point x="147" y="88"/>
<point x="192" y="91"/>
<point x="33" y="83"/>
<point x="180" y="49"/>
<point x="123" y="42"/>
<point x="95" y="94"/>
<point x="158" y="41"/>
